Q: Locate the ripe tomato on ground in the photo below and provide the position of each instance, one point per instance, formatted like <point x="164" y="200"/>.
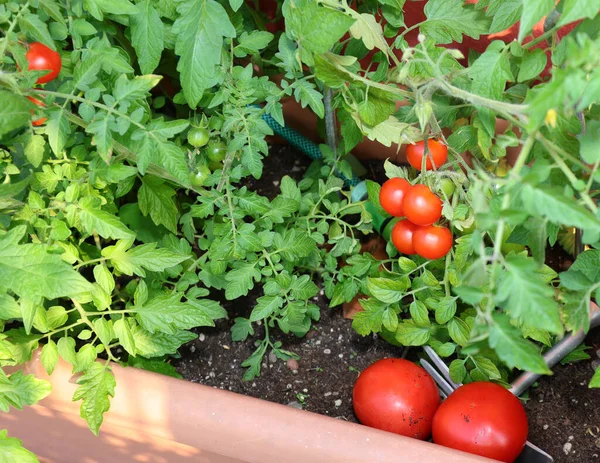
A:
<point x="41" y="58"/>
<point x="421" y="206"/>
<point x="436" y="156"/>
<point x="392" y="194"/>
<point x="432" y="242"/>
<point x="397" y="396"/>
<point x="37" y="102"/>
<point x="402" y="236"/>
<point x="484" y="419"/>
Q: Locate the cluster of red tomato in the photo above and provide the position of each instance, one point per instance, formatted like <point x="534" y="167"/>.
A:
<point x="41" y="58"/>
<point x="417" y="234"/>
<point x="482" y="418"/>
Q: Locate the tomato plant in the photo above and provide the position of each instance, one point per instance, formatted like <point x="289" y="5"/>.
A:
<point x="484" y="419"/>
<point x="421" y="206"/>
<point x="397" y="396"/>
<point x="392" y="194"/>
<point x="402" y="236"/>
<point x="198" y="137"/>
<point x="41" y="58"/>
<point x="436" y="156"/>
<point x="432" y="242"/>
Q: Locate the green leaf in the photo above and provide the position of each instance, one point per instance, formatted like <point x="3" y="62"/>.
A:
<point x="84" y="358"/>
<point x="409" y="334"/>
<point x="154" y="365"/>
<point x="241" y="329"/>
<point x="105" y="224"/>
<point x="241" y="280"/>
<point x="573" y="10"/>
<point x="486" y="366"/>
<point x="367" y="29"/>
<point x="123" y="331"/>
<point x="554" y="205"/>
<point x="171" y="157"/>
<point x="97" y="8"/>
<point x="387" y="290"/>
<point x="459" y="331"/>
<point x="390" y="319"/>
<point x="532" y="64"/>
<point x="36" y="29"/>
<point x="147" y="36"/>
<point x="307" y="94"/>
<point x="419" y="314"/>
<point x="448" y="20"/>
<point x="146" y="256"/>
<point x="200" y="29"/>
<point x="533" y="11"/>
<point x="266" y="306"/>
<point x="34" y="150"/>
<point x="30" y="270"/>
<point x="595" y="381"/>
<point x="576" y="355"/>
<point x="504" y="13"/>
<point x="104" y="330"/>
<point x="66" y="349"/>
<point x="584" y="273"/>
<point x="458" y="371"/>
<point x="588" y="142"/>
<point x="293" y="244"/>
<point x="370" y="319"/>
<point x="315" y="28"/>
<point x="12" y="450"/>
<point x="513" y="349"/>
<point x="159" y="344"/>
<point x="95" y="387"/>
<point x="14" y="112"/>
<point x="251" y="44"/>
<point x="18" y="390"/>
<point x="155" y="198"/>
<point x="29" y="308"/>
<point x="167" y="314"/>
<point x="527" y="297"/>
<point x="489" y="74"/>
<point x="445" y="310"/>
<point x="253" y="363"/>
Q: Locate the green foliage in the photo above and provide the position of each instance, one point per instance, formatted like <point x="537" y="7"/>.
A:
<point x="109" y="252"/>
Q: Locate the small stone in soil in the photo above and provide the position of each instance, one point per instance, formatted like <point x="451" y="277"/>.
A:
<point x="338" y="403"/>
<point x="292" y="364"/>
<point x="567" y="448"/>
<point x="546" y="427"/>
<point x="272" y="357"/>
<point x="202" y="337"/>
<point x="192" y="348"/>
<point x="327" y="394"/>
<point x="294" y="372"/>
<point x="327" y="351"/>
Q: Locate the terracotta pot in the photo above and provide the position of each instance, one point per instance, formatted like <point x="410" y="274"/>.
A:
<point x="155" y="418"/>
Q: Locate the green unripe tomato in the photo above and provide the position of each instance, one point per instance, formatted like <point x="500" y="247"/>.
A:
<point x="448" y="187"/>
<point x="506" y="248"/>
<point x="198" y="179"/>
<point x="216" y="151"/>
<point x="198" y="137"/>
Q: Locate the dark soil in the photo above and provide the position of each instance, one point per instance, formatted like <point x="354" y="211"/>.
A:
<point x="564" y="414"/>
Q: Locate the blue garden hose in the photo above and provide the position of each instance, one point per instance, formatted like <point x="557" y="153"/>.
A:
<point x="359" y="187"/>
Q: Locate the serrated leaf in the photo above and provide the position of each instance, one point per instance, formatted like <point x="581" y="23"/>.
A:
<point x="446" y="308"/>
<point x="458" y="371"/>
<point x="574" y="10"/>
<point x="489" y="73"/>
<point x="19" y="390"/>
<point x="30" y="270"/>
<point x="390" y="319"/>
<point x="595" y="381"/>
<point x="36" y="29"/>
<point x="409" y="334"/>
<point x="171" y="157"/>
<point x="167" y="314"/>
<point x="147" y="36"/>
<point x="34" y="150"/>
<point x="200" y="29"/>
<point x="96" y="386"/>
<point x="419" y="313"/>
<point x="307" y="94"/>
<point x="387" y="290"/>
<point x="14" y="112"/>
<point x="448" y="20"/>
<point x="95" y="220"/>
<point x="97" y="8"/>
<point x="12" y="450"/>
<point x="66" y="349"/>
<point x="459" y="331"/>
<point x="532" y="64"/>
<point x="513" y="349"/>
<point x="159" y="344"/>
<point x="367" y="29"/>
<point x="104" y="330"/>
<point x="241" y="329"/>
<point x="125" y="336"/>
<point x="528" y="298"/>
<point x="266" y="306"/>
<point x="241" y="280"/>
<point x="370" y="319"/>
<point x="155" y="198"/>
<point x="533" y="11"/>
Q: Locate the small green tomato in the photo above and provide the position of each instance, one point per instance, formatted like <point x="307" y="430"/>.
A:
<point x="198" y="137"/>
<point x="216" y="151"/>
<point x="198" y="179"/>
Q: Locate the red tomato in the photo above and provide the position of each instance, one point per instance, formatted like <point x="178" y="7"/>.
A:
<point x="42" y="58"/>
<point x="432" y="242"/>
<point x="391" y="194"/>
<point x="402" y="236"/>
<point x="421" y="206"/>
<point x="437" y="155"/>
<point x="41" y="120"/>
<point x="397" y="396"/>
<point x="484" y="419"/>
